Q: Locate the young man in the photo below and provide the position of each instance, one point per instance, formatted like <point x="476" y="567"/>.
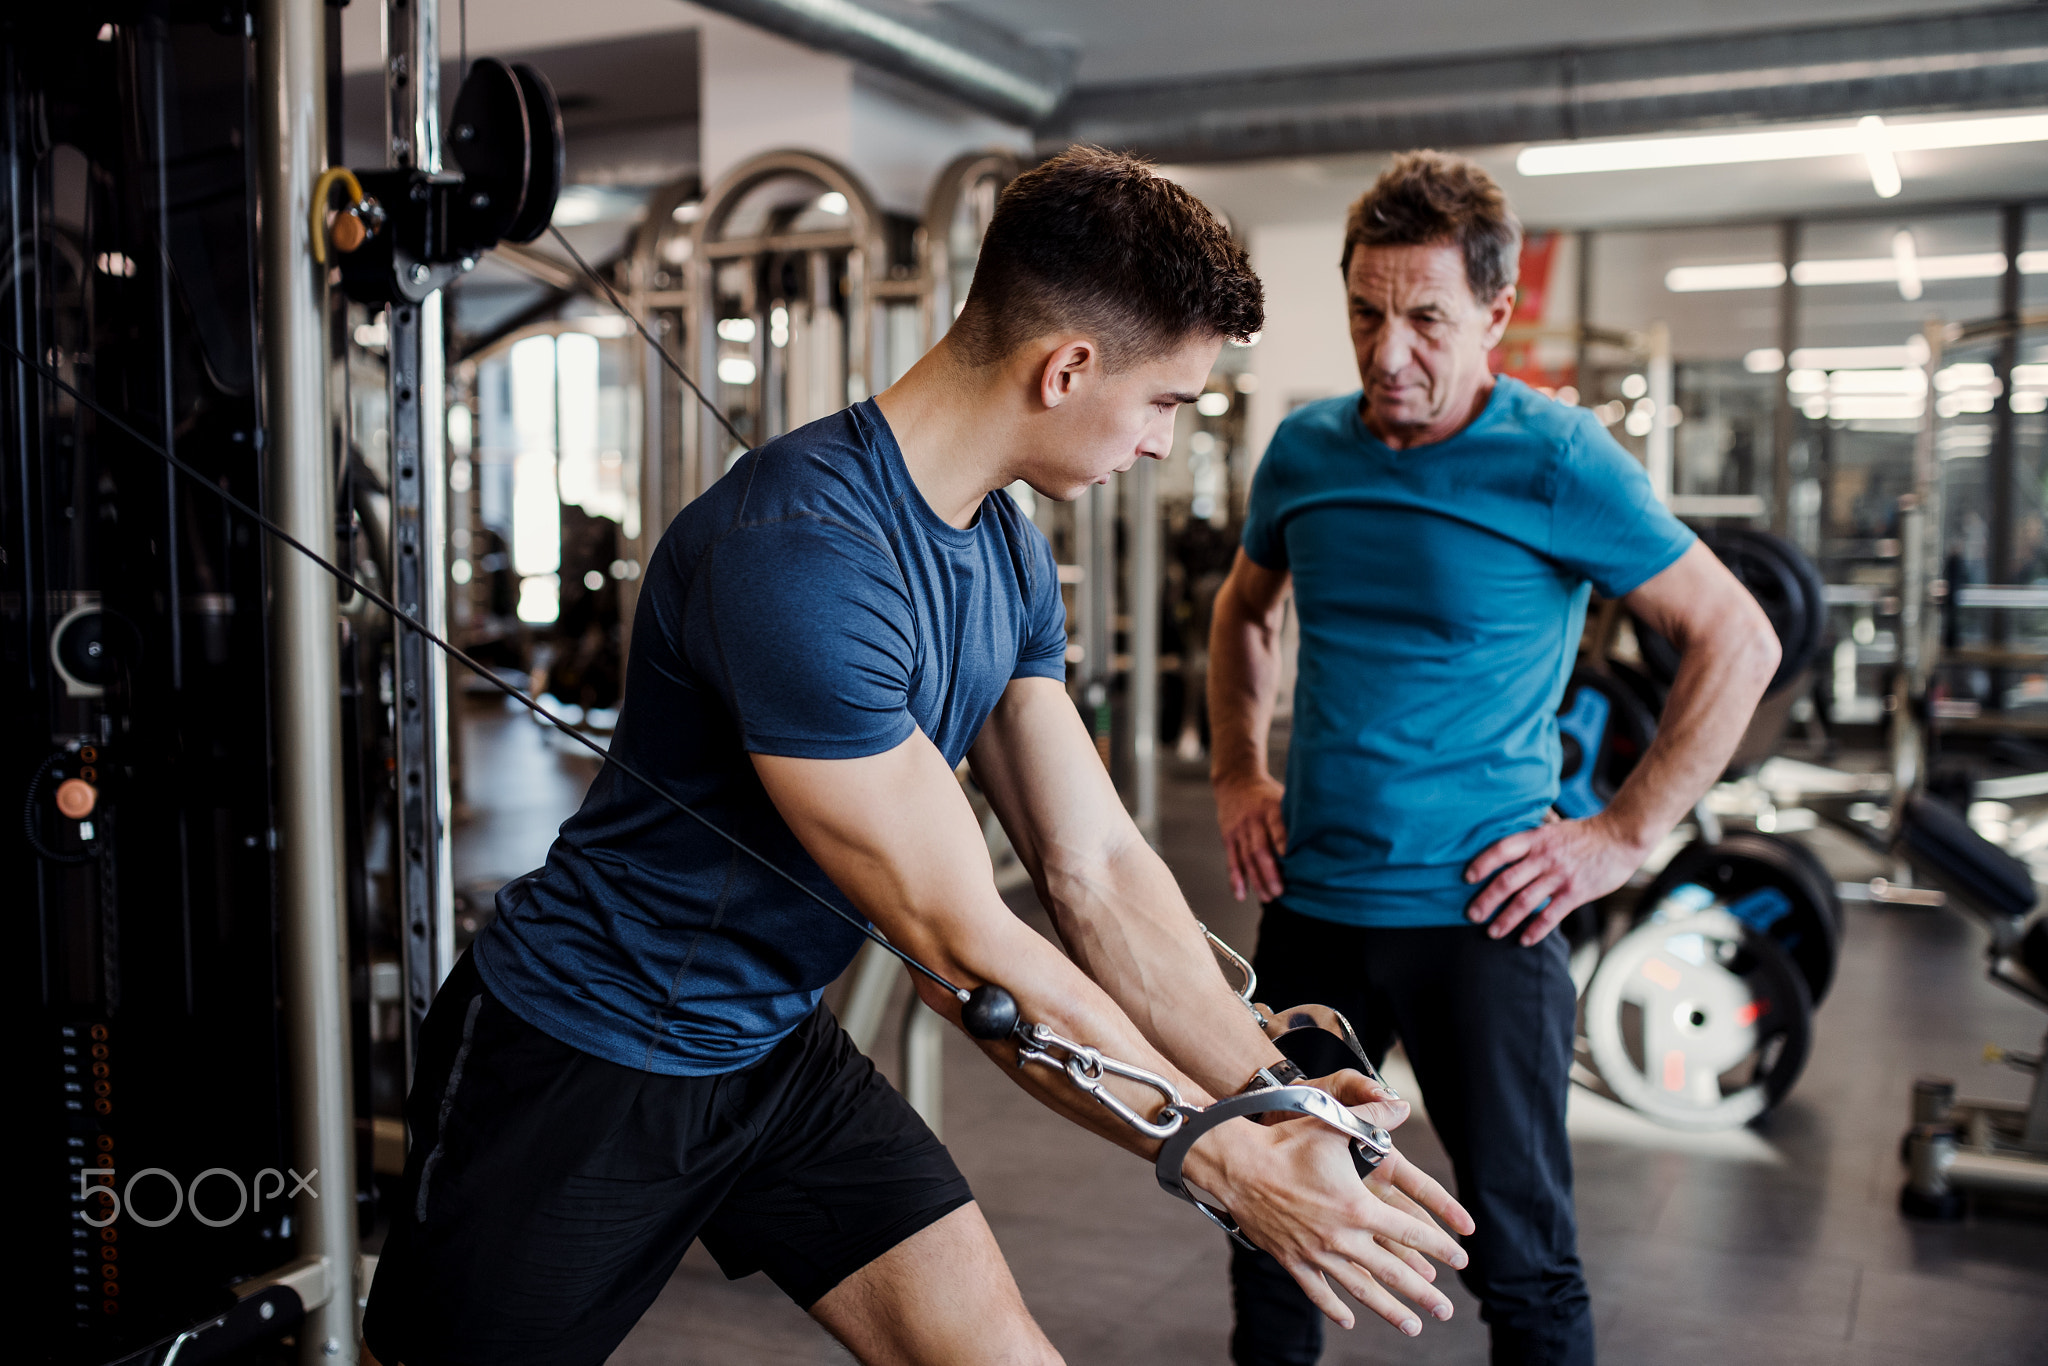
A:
<point x="1441" y="531"/>
<point x="634" y="1055"/>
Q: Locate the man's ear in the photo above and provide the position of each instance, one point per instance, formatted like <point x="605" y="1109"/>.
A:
<point x="1069" y="362"/>
<point x="1498" y="313"/>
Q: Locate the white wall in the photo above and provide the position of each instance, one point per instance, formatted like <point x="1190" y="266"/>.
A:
<point x="903" y="136"/>
<point x="1305" y="352"/>
<point x="762" y="93"/>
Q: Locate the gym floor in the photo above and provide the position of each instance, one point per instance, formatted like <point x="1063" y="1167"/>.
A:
<point x="1782" y="1244"/>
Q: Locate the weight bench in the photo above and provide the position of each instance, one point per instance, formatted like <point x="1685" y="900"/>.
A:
<point x="1957" y="1148"/>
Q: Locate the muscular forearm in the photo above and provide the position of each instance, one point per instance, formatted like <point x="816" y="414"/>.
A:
<point x="1129" y="929"/>
<point x="1244" y="681"/>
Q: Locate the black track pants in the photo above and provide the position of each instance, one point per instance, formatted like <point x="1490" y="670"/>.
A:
<point x="1488" y="1027"/>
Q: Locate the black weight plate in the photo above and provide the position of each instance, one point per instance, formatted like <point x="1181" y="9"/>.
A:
<point x="490" y="141"/>
<point x="1742" y="871"/>
<point x="1603" y="730"/>
<point x="1800" y="645"/>
<point x="1818" y="879"/>
<point x="545" y="160"/>
<point x="1771" y="972"/>
<point x="1784" y="583"/>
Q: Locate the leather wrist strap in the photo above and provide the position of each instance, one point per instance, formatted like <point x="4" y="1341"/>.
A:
<point x="1281" y="1073"/>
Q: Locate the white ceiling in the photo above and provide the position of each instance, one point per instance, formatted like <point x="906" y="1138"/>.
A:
<point x="1320" y="189"/>
<point x="1127" y="40"/>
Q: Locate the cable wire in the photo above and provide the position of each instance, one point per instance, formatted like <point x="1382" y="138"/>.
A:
<point x="453" y="652"/>
<point x="672" y="363"/>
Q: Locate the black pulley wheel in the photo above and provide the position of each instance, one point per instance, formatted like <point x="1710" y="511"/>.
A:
<point x="545" y="159"/>
<point x="1773" y="885"/>
<point x="1783" y="582"/>
<point x="490" y="139"/>
<point x="1603" y="730"/>
<point x="82" y="648"/>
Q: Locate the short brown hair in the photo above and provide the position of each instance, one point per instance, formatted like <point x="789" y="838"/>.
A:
<point x="1100" y="242"/>
<point x="1425" y="198"/>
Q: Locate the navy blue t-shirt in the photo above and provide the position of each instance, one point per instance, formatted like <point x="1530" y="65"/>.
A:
<point x="1441" y="591"/>
<point x="810" y="604"/>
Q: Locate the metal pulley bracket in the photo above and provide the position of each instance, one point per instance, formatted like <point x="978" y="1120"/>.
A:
<point x="507" y="139"/>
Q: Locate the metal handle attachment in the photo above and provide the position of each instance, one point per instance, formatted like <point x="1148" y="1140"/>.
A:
<point x="1370" y="1144"/>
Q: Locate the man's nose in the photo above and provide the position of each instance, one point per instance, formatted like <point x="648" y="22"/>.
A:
<point x="1393" y="349"/>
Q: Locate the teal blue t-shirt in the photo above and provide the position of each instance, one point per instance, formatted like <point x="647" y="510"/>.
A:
<point x="1441" y="591"/>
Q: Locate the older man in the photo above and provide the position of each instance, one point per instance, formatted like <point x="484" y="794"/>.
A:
<point x="1441" y="531"/>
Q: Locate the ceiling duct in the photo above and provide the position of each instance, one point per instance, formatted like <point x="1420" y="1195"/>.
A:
<point x="937" y="46"/>
<point x="1980" y="59"/>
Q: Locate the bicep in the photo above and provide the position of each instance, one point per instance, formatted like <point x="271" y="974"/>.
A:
<point x="892" y="830"/>
<point x="1040" y="771"/>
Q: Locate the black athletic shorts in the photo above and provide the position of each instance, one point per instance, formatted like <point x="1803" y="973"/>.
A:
<point x="550" y="1194"/>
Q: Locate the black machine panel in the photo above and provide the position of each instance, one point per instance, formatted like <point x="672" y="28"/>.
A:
<point x="144" y="1066"/>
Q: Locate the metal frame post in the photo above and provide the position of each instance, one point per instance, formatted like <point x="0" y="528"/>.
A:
<point x="2003" y="465"/>
<point x="1783" y="415"/>
<point x="419" y="532"/>
<point x="1144" y="600"/>
<point x="1657" y="446"/>
<point x="305" y="665"/>
<point x="1095" y="551"/>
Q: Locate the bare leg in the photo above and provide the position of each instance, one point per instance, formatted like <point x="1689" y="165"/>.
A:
<point x="942" y="1296"/>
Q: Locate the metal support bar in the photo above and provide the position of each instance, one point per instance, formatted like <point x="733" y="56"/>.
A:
<point x="874" y="982"/>
<point x="1144" y="599"/>
<point x="419" y="531"/>
<point x="1657" y="446"/>
<point x="1095" y="549"/>
<point x="924" y="1043"/>
<point x="305" y="663"/>
<point x="1783" y="415"/>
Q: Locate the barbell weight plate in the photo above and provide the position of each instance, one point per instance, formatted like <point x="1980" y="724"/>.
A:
<point x="545" y="159"/>
<point x="1697" y="1021"/>
<point x="1603" y="730"/>
<point x="1784" y="583"/>
<point x="489" y="139"/>
<point x="1765" y="881"/>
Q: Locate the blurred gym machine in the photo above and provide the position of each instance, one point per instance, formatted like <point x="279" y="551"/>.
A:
<point x="174" y="1030"/>
<point x="144" y="955"/>
<point x="1958" y="1149"/>
<point x="181" y="984"/>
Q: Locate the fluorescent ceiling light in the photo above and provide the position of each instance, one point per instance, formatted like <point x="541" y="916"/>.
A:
<point x="1728" y="149"/>
<point x="1868" y="270"/>
<point x="1874" y="408"/>
<point x="1906" y="262"/>
<point x="1877" y="155"/>
<point x="1742" y="275"/>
